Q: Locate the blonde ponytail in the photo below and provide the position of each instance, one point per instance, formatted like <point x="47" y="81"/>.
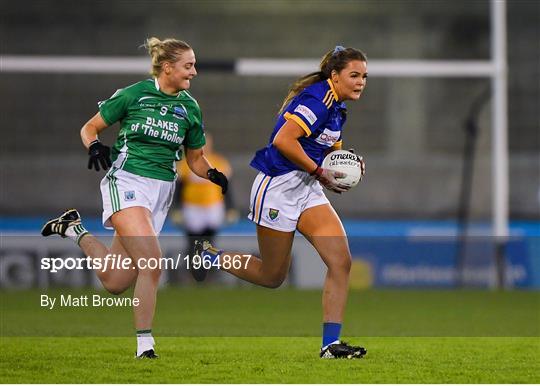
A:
<point x="160" y="51"/>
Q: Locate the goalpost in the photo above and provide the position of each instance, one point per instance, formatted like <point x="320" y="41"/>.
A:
<point x="495" y="69"/>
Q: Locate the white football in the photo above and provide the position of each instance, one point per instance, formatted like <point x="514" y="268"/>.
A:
<point x="346" y="162"/>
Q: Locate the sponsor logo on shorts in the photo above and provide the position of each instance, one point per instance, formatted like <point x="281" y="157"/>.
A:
<point x="129" y="195"/>
<point x="328" y="137"/>
<point x="306" y="113"/>
<point x="273" y="214"/>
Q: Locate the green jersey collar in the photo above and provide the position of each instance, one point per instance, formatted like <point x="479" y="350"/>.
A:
<point x="156" y="83"/>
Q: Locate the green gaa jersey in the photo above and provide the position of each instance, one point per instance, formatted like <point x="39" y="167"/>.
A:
<point x="153" y="126"/>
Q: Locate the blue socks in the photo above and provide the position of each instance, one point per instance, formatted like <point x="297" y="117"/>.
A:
<point x="331" y="333"/>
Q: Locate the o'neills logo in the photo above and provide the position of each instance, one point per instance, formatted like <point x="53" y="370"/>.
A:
<point x="334" y="157"/>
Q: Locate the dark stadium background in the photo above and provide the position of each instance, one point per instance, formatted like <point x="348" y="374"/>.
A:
<point x="434" y="297"/>
<point x="409" y="130"/>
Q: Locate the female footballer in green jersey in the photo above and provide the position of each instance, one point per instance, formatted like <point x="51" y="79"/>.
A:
<point x="157" y="117"/>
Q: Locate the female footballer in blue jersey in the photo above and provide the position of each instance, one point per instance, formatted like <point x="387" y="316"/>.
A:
<point x="287" y="195"/>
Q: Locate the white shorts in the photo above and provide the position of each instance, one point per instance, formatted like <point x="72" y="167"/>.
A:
<point x="121" y="190"/>
<point x="278" y="202"/>
<point x="197" y="218"/>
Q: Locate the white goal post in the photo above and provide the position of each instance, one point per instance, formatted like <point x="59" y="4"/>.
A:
<point x="495" y="69"/>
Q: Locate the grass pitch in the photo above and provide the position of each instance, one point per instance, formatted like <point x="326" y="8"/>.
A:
<point x="270" y="360"/>
<point x="247" y="335"/>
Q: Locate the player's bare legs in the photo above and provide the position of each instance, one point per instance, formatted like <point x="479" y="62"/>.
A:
<point x="113" y="279"/>
<point x="135" y="229"/>
<point x="135" y="237"/>
<point x="323" y="229"/>
<point x="271" y="269"/>
<point x="69" y="224"/>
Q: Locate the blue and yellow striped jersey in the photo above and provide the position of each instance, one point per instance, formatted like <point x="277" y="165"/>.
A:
<point x="317" y="110"/>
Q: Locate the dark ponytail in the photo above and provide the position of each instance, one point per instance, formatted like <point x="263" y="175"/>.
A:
<point x="336" y="59"/>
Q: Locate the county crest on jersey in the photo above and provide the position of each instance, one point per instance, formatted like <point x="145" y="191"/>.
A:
<point x="153" y="127"/>
<point x="319" y="113"/>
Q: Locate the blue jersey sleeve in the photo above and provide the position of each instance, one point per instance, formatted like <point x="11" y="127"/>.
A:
<point x="308" y="112"/>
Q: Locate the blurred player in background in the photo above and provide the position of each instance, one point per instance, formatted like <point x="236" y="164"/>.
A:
<point x="157" y="117"/>
<point x="201" y="207"/>
<point x="287" y="195"/>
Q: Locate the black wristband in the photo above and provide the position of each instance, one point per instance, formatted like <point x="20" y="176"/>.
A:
<point x="93" y="143"/>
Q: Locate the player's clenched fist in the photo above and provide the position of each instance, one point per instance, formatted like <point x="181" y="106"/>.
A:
<point x="99" y="155"/>
<point x="218" y="178"/>
<point x="329" y="179"/>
